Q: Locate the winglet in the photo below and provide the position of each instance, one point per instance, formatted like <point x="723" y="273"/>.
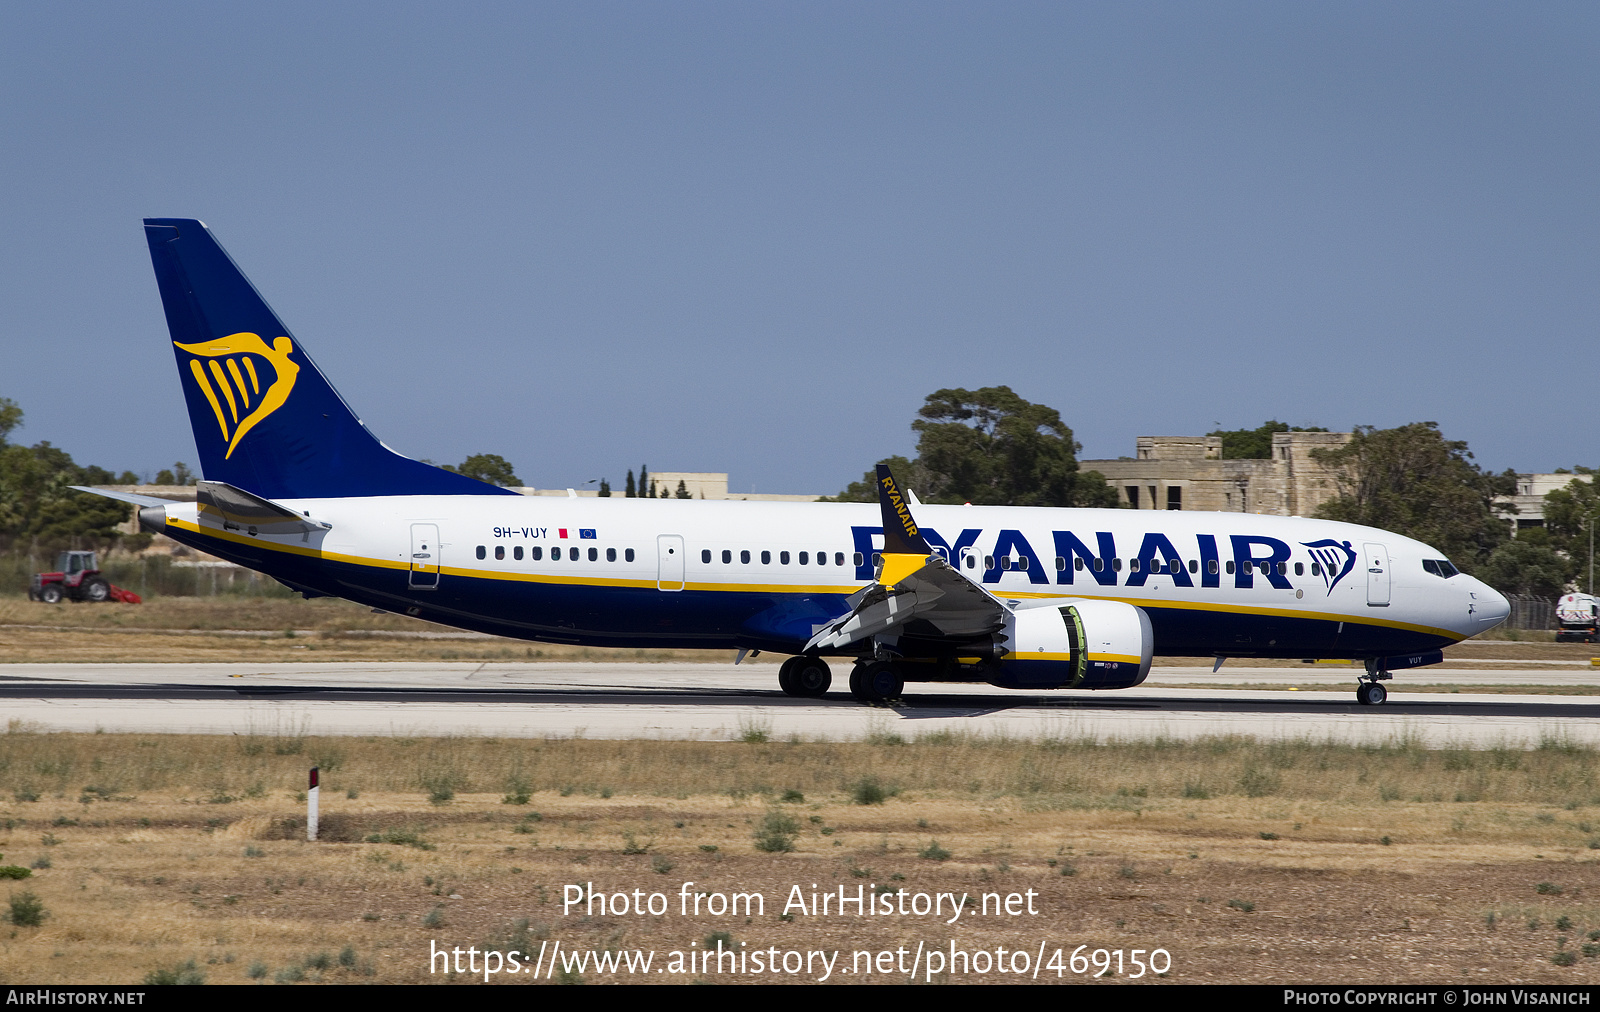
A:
<point x="904" y="549"/>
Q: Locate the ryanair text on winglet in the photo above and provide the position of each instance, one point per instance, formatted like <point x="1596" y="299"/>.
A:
<point x="900" y="507"/>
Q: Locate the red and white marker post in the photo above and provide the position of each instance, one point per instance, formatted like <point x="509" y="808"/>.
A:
<point x="311" y="807"/>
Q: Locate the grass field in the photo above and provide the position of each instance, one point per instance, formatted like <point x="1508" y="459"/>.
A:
<point x="1246" y="861"/>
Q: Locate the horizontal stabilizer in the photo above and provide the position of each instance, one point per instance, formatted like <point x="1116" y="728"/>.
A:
<point x="240" y="511"/>
<point x="137" y="500"/>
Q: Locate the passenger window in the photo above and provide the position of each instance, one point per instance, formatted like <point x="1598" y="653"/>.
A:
<point x="1133" y="565"/>
<point x="1077" y="563"/>
<point x="1230" y="567"/>
<point x="744" y="557"/>
<point x="535" y="553"/>
<point x="1099" y="565"/>
<point x="988" y="562"/>
<point x="1283" y="568"/>
<point x="802" y="559"/>
<point x="1022" y="562"/>
<point x="766" y="558"/>
<point x="783" y="558"/>
<point x="877" y="560"/>
<point x="705" y="555"/>
<point x="1194" y="565"/>
<point x="1211" y="566"/>
<point x="481" y="553"/>
<point x="856" y="556"/>
<point x="516" y="553"/>
<point x="1249" y="566"/>
<point x="555" y="553"/>
<point x="1116" y="565"/>
<point x="1060" y="563"/>
<point x="499" y="552"/>
<point x="727" y="556"/>
<point x="1316" y="569"/>
<point x="1299" y="569"/>
<point x="611" y="555"/>
<point x="1005" y="562"/>
<point x="594" y="555"/>
<point x="628" y="554"/>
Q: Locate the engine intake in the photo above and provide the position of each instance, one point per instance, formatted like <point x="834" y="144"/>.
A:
<point x="1076" y="644"/>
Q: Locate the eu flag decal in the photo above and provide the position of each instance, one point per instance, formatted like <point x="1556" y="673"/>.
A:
<point x="586" y="533"/>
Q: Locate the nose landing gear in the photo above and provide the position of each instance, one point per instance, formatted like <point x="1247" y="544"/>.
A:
<point x="1370" y="690"/>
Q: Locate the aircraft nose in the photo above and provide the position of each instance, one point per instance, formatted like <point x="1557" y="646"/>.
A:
<point x="1490" y="607"/>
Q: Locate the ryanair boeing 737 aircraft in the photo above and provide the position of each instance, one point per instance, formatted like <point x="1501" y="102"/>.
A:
<point x="1027" y="598"/>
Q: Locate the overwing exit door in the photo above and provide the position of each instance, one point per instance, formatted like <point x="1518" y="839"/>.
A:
<point x="669" y="562"/>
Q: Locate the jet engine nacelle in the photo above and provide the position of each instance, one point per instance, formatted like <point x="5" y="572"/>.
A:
<point x="1075" y="644"/>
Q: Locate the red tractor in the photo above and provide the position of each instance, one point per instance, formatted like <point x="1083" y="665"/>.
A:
<point x="79" y="579"/>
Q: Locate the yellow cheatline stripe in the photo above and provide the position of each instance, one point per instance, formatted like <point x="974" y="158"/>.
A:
<point x="898" y="566"/>
<point x="780" y="588"/>
<point x="211" y="395"/>
<point x="238" y="381"/>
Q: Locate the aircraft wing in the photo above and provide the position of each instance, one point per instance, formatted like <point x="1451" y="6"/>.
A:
<point x="914" y="583"/>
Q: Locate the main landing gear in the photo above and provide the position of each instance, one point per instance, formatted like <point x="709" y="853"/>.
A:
<point x="1370" y="690"/>
<point x="875" y="681"/>
<point x="805" y="676"/>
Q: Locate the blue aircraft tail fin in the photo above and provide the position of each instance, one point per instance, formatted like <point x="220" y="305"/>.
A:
<point x="265" y="419"/>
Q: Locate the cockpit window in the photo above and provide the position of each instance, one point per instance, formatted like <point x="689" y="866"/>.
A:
<point x="1439" y="567"/>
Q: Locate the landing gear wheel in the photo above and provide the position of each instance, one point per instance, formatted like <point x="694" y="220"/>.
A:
<point x="51" y="594"/>
<point x="1371" y="694"/>
<point x="875" y="682"/>
<point x="786" y="676"/>
<point x="812" y="678"/>
<point x="96" y="591"/>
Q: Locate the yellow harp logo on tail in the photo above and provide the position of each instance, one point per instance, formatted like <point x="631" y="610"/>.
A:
<point x="230" y="366"/>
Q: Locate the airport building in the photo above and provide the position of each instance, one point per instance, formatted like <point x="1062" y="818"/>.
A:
<point x="1190" y="473"/>
<point x="699" y="485"/>
<point x="1529" y="500"/>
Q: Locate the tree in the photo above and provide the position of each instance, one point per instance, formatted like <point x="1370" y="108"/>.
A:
<point x="179" y="475"/>
<point x="628" y="489"/>
<point x="1413" y="481"/>
<point x="10" y="418"/>
<point x="1528" y="564"/>
<point x="646" y="491"/>
<point x="1255" y="444"/>
<point x="991" y="447"/>
<point x="1570" y="514"/>
<point x="36" y="504"/>
<point x="488" y="467"/>
<point x="605" y="489"/>
<point x="683" y="490"/>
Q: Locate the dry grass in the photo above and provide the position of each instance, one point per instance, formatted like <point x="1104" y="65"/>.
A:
<point x="1064" y="774"/>
<point x="1346" y="863"/>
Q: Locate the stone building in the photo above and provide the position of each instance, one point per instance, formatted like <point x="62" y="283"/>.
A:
<point x="1189" y="473"/>
<point x="699" y="485"/>
<point x="1529" y="500"/>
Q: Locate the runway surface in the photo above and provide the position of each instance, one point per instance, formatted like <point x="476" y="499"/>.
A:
<point x="722" y="702"/>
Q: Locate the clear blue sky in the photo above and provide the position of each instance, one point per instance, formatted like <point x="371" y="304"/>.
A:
<point x="753" y="237"/>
